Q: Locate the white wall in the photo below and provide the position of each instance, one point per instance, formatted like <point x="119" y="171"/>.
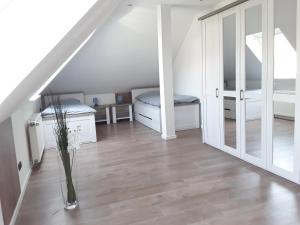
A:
<point x="188" y="63"/>
<point x="19" y="124"/>
<point x="123" y="54"/>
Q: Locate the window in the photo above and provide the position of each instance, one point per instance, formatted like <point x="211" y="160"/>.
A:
<point x="29" y="31"/>
<point x="254" y="43"/>
<point x="285" y="57"/>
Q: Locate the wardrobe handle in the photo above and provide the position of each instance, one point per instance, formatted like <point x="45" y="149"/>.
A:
<point x="217" y="92"/>
<point x="241" y="95"/>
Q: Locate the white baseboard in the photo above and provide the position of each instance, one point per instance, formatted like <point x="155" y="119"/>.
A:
<point x="169" y="137"/>
<point x="18" y="206"/>
<point x="187" y="127"/>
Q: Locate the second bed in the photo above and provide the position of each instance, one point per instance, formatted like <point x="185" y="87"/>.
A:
<point x="147" y="109"/>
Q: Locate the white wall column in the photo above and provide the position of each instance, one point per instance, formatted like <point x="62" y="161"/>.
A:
<point x="166" y="72"/>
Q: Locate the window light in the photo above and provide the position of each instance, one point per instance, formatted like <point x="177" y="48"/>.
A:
<point x="285" y="57"/>
<point x="254" y="43"/>
<point x="29" y="31"/>
<point x="42" y="88"/>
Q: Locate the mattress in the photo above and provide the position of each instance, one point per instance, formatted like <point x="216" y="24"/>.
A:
<point x="153" y="98"/>
<point x="72" y="107"/>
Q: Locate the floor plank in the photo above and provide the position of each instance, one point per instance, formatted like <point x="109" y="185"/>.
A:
<point x="131" y="176"/>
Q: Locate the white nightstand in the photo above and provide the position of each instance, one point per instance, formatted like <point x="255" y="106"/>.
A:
<point x="121" y="111"/>
<point x="102" y="114"/>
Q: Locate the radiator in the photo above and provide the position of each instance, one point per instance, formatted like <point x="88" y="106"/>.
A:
<point x="36" y="136"/>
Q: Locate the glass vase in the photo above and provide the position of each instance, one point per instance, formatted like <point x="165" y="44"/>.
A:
<point x="67" y="162"/>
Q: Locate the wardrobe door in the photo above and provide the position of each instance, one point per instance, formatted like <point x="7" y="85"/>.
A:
<point x="253" y="81"/>
<point x="230" y="76"/>
<point x="211" y="72"/>
<point x="282" y="96"/>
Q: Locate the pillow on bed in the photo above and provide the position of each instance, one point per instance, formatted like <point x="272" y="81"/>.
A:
<point x="151" y="98"/>
<point x="70" y="101"/>
<point x="148" y="94"/>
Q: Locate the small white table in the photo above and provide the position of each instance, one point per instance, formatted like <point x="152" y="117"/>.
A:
<point x="118" y="112"/>
<point x="102" y="114"/>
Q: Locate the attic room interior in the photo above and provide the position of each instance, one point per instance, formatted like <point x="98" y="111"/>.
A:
<point x="149" y="112"/>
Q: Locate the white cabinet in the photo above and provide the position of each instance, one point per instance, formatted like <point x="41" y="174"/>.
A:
<point x="243" y="69"/>
<point x="235" y="79"/>
<point x="85" y="124"/>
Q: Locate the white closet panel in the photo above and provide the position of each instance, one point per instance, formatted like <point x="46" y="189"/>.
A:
<point x="252" y="83"/>
<point x="283" y="151"/>
<point x="230" y="79"/>
<point x="212" y="81"/>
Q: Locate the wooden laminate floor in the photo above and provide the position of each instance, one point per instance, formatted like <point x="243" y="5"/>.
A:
<point x="131" y="176"/>
<point x="283" y="140"/>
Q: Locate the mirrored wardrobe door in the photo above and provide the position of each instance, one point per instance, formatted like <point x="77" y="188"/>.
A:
<point x="253" y="91"/>
<point x="284" y="72"/>
<point x="230" y="50"/>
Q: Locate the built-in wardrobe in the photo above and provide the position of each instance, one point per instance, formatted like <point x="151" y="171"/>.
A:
<point x="251" y="84"/>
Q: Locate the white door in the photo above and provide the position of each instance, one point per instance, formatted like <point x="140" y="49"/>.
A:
<point x="230" y="77"/>
<point x="212" y="131"/>
<point x="283" y="155"/>
<point x="253" y="91"/>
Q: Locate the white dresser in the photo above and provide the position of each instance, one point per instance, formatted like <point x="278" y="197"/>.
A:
<point x="253" y="109"/>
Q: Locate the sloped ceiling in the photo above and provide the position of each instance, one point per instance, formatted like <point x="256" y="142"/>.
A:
<point x="123" y="54"/>
<point x="29" y="31"/>
<point x="47" y="63"/>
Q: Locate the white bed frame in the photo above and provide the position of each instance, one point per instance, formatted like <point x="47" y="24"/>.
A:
<point x="186" y="116"/>
<point x="84" y="122"/>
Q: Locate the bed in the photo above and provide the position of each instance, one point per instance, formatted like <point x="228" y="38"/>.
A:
<point x="187" y="114"/>
<point x="80" y="116"/>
